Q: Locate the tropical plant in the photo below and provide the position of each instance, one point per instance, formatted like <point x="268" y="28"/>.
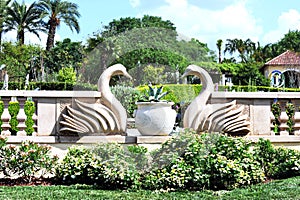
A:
<point x="22" y="18"/>
<point x="244" y="47"/>
<point x="4" y="4"/>
<point x="154" y="94"/>
<point x="64" y="54"/>
<point x="219" y="46"/>
<point x="59" y="11"/>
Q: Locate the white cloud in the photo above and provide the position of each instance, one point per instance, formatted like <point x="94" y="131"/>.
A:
<point x="289" y="20"/>
<point x="207" y="25"/>
<point x="134" y="3"/>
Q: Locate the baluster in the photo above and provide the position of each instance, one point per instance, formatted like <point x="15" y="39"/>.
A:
<point x="297" y="123"/>
<point x="21" y="119"/>
<point x="283" y="126"/>
<point x="5" y="119"/>
<point x="272" y="123"/>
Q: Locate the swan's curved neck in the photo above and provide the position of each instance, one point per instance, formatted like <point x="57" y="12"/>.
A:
<point x="108" y="99"/>
<point x="200" y="101"/>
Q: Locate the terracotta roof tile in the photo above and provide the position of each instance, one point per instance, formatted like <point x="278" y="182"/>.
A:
<point x="287" y="58"/>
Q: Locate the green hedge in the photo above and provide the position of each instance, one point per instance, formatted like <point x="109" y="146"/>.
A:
<point x="178" y="92"/>
<point x="51" y="86"/>
<point x="187" y="92"/>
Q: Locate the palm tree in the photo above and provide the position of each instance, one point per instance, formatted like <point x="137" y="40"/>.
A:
<point x="219" y="46"/>
<point x="59" y="11"/>
<point x="244" y="48"/>
<point x="3" y="15"/>
<point x="22" y="18"/>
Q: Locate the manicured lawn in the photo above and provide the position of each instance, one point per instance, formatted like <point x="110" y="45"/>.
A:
<point x="280" y="189"/>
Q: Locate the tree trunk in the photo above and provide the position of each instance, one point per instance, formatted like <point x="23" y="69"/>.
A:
<point x="51" y="35"/>
<point x="21" y="37"/>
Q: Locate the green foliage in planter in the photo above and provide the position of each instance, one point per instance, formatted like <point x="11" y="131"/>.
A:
<point x="27" y="160"/>
<point x="276" y="110"/>
<point x="290" y="111"/>
<point x="13" y="109"/>
<point x="29" y="109"/>
<point x="1" y="112"/>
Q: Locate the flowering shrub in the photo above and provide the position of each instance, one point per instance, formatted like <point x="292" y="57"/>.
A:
<point x="106" y="165"/>
<point x="27" y="160"/>
<point x="188" y="161"/>
<point x="277" y="162"/>
<point x="76" y="166"/>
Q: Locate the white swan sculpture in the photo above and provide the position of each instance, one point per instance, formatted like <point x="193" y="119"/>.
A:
<point x="222" y="117"/>
<point x="106" y="117"/>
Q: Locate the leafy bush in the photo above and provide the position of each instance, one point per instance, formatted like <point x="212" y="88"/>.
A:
<point x="277" y="162"/>
<point x="188" y="161"/>
<point x="75" y="166"/>
<point x="29" y="109"/>
<point x="67" y="74"/>
<point x="106" y="165"/>
<point x="119" y="167"/>
<point x="127" y="96"/>
<point x="210" y="161"/>
<point x="13" y="109"/>
<point x="27" y="160"/>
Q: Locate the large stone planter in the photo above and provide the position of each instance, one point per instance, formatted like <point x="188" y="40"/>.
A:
<point x="155" y="118"/>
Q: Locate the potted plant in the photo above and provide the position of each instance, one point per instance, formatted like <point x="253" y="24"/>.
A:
<point x="155" y="116"/>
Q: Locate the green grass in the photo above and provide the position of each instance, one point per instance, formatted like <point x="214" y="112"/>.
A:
<point x="280" y="189"/>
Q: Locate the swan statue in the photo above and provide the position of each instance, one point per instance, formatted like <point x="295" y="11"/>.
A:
<point x="220" y="117"/>
<point x="108" y="116"/>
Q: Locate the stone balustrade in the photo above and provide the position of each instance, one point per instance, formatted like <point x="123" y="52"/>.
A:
<point x="49" y="107"/>
<point x="51" y="104"/>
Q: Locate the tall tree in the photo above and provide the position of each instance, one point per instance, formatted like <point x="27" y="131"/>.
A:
<point x="290" y="41"/>
<point x="3" y="15"/>
<point x="243" y="47"/>
<point x="22" y="18"/>
<point x="219" y="46"/>
<point x="59" y="11"/>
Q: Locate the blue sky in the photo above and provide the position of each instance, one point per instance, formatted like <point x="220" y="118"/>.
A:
<point x="207" y="20"/>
